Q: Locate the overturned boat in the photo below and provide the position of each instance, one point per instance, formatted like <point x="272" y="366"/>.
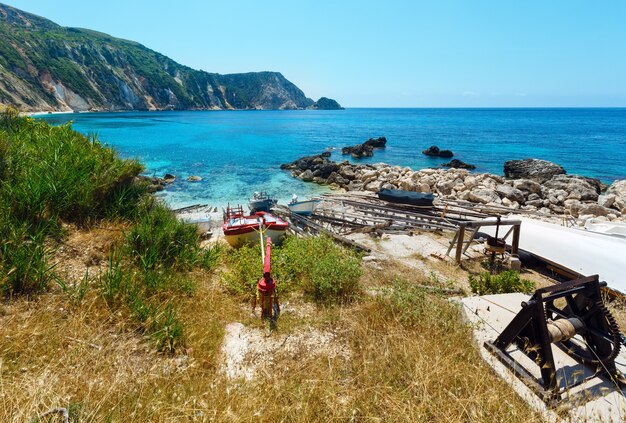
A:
<point x="240" y="228"/>
<point x="412" y="198"/>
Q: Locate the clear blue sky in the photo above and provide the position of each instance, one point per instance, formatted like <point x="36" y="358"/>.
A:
<point x="386" y="53"/>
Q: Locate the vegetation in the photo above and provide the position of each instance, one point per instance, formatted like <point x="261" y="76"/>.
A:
<point x="104" y="70"/>
<point x="505" y="282"/>
<point x="324" y="271"/>
<point x="403" y="354"/>
<point x="50" y="175"/>
<point x="158" y="239"/>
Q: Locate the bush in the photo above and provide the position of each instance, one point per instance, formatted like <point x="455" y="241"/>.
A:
<point x="411" y="306"/>
<point x="326" y="272"/>
<point x="53" y="172"/>
<point x="505" y="282"/>
<point x="159" y="239"/>
<point x="48" y="175"/>
<point x="24" y="267"/>
<point x="147" y="296"/>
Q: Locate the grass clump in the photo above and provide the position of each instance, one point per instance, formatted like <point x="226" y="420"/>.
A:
<point x="50" y="175"/>
<point x="505" y="282"/>
<point x="149" y="299"/>
<point x="159" y="239"/>
<point x="324" y="271"/>
<point x="24" y="266"/>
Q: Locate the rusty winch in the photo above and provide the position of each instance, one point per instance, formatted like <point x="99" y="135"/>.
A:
<point x="573" y="317"/>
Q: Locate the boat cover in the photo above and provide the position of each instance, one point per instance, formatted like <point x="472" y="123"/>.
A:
<point x="406" y="197"/>
<point x="584" y="252"/>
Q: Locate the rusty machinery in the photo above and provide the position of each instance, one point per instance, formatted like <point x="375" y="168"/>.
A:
<point x="573" y="317"/>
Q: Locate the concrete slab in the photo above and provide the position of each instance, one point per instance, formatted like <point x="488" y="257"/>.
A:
<point x="595" y="400"/>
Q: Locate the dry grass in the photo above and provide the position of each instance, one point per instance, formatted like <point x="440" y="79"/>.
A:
<point x="57" y="352"/>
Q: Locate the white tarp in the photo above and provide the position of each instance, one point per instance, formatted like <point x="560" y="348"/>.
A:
<point x="584" y="252"/>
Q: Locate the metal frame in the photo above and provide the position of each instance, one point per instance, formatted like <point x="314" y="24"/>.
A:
<point x="529" y="333"/>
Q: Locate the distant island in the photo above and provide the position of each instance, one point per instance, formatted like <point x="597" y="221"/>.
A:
<point x="47" y="67"/>
<point x="326" y="104"/>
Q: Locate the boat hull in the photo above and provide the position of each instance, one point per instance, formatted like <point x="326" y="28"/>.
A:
<point x="252" y="237"/>
<point x="304" y="208"/>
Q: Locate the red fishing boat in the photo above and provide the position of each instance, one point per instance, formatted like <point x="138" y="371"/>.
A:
<point x="240" y="228"/>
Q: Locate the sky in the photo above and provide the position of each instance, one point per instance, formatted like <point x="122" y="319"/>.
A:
<point x="435" y="53"/>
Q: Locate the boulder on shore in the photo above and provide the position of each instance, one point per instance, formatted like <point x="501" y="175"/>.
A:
<point x="434" y="151"/>
<point x="618" y="190"/>
<point x="458" y="164"/>
<point x="535" y="169"/>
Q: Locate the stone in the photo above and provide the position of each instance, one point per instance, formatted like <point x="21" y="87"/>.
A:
<point x="595" y="210"/>
<point x="434" y="151"/>
<point x="379" y="142"/>
<point x="444" y="187"/>
<point x="307" y="175"/>
<point x="484" y="196"/>
<point x="169" y="178"/>
<point x="534" y="169"/>
<point x="606" y="200"/>
<point x="618" y="189"/>
<point x="389" y="186"/>
<point x="194" y="178"/>
<point x="510" y="193"/>
<point x="470" y="181"/>
<point x="458" y="164"/>
<point x="373" y="186"/>
<point x="527" y="185"/>
<point x="576" y="187"/>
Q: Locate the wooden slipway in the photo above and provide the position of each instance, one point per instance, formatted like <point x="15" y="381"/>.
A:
<point x="490" y="314"/>
<point x="583" y="252"/>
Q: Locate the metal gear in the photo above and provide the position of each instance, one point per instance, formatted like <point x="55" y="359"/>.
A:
<point x="600" y="346"/>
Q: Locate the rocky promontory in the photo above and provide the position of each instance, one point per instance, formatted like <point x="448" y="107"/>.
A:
<point x="559" y="194"/>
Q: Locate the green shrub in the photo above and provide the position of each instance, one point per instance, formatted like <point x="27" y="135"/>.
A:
<point x="505" y="282"/>
<point x="53" y="172"/>
<point x="324" y="271"/>
<point x="147" y="296"/>
<point x="159" y="239"/>
<point x="24" y="267"/>
<point x="412" y="306"/>
<point x="245" y="268"/>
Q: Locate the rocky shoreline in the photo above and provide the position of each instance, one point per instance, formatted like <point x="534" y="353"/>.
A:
<point x="533" y="185"/>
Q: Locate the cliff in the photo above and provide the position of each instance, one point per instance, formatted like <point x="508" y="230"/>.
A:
<point x="44" y="66"/>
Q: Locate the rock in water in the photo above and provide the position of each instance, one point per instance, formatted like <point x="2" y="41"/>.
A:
<point x="434" y="151"/>
<point x="458" y="164"/>
<point x="365" y="149"/>
<point x="379" y="142"/>
<point x="194" y="178"/>
<point x="535" y="169"/>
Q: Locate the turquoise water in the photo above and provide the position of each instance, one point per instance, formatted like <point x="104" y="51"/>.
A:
<point x="238" y="152"/>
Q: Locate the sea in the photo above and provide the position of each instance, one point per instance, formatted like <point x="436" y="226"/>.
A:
<point x="239" y="152"/>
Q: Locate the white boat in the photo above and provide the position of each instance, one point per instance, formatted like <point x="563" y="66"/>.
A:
<point x="240" y="229"/>
<point x="305" y="207"/>
<point x="606" y="228"/>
